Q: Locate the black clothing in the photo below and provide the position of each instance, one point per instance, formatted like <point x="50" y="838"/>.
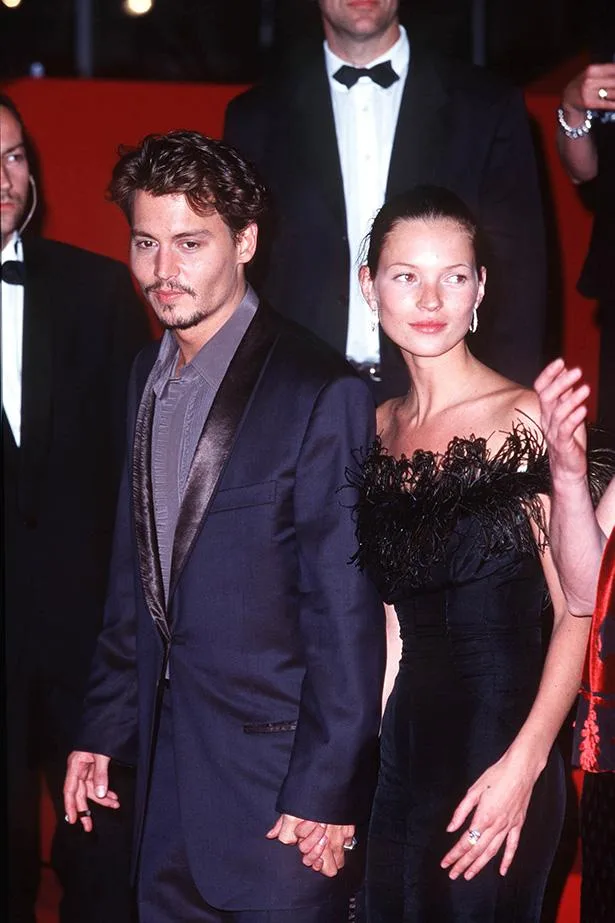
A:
<point x="457" y="127"/>
<point x="83" y="325"/>
<point x="448" y="540"/>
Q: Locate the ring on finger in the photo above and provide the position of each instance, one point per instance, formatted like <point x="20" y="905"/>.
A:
<point x="352" y="845"/>
<point x="603" y="93"/>
<point x="86" y="813"/>
<point x="474" y="836"/>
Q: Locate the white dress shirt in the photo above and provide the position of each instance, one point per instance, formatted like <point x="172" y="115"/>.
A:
<point x="12" y="341"/>
<point x="365" y="121"/>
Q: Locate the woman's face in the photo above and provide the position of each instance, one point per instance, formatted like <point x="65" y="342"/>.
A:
<point x="426" y="285"/>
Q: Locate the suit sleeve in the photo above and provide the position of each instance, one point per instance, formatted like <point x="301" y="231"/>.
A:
<point x="109" y="715"/>
<point x="331" y="773"/>
<point x="513" y="316"/>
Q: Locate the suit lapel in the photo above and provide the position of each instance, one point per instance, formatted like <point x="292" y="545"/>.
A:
<point x="143" y="506"/>
<point x="421" y="133"/>
<point x="37" y="377"/>
<point x="219" y="435"/>
<point x="313" y="134"/>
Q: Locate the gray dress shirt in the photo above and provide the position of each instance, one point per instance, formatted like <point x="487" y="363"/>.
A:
<point x="182" y="404"/>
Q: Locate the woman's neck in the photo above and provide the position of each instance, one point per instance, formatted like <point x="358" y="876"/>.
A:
<point x="440" y="383"/>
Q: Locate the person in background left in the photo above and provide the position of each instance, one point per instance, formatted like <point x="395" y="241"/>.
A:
<point x="71" y="325"/>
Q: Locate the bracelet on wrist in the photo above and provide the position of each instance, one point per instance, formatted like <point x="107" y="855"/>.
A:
<point x="581" y="130"/>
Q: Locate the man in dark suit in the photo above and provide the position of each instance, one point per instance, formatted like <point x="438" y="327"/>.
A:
<point x="334" y="141"/>
<point x="71" y="325"/>
<point x="241" y="661"/>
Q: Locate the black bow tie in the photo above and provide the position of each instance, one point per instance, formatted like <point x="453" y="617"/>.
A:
<point x="382" y="74"/>
<point x="13" y="272"/>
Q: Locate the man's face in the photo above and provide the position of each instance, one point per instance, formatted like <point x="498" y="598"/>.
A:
<point x="189" y="266"/>
<point x="15" y="174"/>
<point x="359" y="19"/>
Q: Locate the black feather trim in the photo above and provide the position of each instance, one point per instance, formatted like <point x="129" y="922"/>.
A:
<point x="408" y="508"/>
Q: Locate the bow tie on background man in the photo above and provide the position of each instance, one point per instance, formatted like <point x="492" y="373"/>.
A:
<point x="382" y="74"/>
<point x="13" y="272"/>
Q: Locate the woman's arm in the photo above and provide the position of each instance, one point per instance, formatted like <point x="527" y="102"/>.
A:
<point x="499" y="799"/>
<point x="577" y="535"/>
<point x="579" y="155"/>
<point x="393" y="654"/>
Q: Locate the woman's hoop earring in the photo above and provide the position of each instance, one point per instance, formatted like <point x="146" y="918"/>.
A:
<point x="474" y="321"/>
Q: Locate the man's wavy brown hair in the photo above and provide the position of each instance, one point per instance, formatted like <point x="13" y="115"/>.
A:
<point x="211" y="174"/>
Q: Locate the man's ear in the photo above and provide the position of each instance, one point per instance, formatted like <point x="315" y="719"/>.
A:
<point x="246" y="243"/>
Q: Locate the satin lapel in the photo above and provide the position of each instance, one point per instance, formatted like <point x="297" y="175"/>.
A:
<point x="421" y="134"/>
<point x="314" y="138"/>
<point x="219" y="434"/>
<point x="37" y="375"/>
<point x="143" y="506"/>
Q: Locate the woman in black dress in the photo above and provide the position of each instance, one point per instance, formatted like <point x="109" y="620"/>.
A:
<point x="451" y="525"/>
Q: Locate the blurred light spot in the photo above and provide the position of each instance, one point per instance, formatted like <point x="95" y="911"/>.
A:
<point x="11" y="3"/>
<point x="137" y="7"/>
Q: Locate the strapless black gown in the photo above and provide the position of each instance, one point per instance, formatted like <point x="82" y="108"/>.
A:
<point x="448" y="540"/>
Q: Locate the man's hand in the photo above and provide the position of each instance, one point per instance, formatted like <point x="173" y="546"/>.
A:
<point x="563" y="410"/>
<point x="87" y="777"/>
<point x="321" y="845"/>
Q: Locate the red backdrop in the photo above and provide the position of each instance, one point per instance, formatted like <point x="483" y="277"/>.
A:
<point x="77" y="126"/>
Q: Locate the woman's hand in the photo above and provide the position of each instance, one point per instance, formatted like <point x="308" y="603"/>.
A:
<point x="563" y="408"/>
<point x="497" y="803"/>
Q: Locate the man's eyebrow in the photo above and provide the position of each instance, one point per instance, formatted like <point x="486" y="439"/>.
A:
<point x="10" y="150"/>
<point x="202" y="232"/>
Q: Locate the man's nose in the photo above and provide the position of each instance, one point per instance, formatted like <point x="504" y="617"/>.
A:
<point x="5" y="179"/>
<point x="166" y="264"/>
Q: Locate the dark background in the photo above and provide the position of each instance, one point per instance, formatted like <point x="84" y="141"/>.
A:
<point x="242" y="40"/>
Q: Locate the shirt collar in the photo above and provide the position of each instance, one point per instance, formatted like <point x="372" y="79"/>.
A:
<point x="213" y="359"/>
<point x="13" y="249"/>
<point x="398" y="55"/>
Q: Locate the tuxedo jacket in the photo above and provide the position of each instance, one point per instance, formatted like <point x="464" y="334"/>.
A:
<point x="83" y="325"/>
<point x="457" y="127"/>
<point x="274" y="640"/>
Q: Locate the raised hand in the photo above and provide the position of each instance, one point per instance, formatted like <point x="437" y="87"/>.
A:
<point x="587" y="90"/>
<point x="563" y="407"/>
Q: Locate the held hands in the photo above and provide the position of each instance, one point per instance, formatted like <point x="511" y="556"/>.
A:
<point x="586" y="91"/>
<point x="87" y="777"/>
<point x="321" y="845"/>
<point x="563" y="409"/>
<point x="499" y="800"/>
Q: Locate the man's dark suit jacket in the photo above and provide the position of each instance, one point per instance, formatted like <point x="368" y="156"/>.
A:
<point x="274" y="640"/>
<point x="457" y="127"/>
<point x="83" y="325"/>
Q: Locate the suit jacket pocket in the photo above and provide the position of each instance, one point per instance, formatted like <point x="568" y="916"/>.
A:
<point x="234" y="498"/>
<point x="270" y="727"/>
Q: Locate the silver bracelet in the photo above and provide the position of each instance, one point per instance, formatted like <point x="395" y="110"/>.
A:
<point x="579" y="132"/>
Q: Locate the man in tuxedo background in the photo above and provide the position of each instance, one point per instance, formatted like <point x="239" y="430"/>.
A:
<point x="333" y="142"/>
<point x="71" y="326"/>
<point x="241" y="661"/>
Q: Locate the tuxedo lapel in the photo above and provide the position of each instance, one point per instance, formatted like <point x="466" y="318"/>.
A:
<point x="143" y="506"/>
<point x="421" y="134"/>
<point x="313" y="134"/>
<point x="37" y="376"/>
<point x="219" y="434"/>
